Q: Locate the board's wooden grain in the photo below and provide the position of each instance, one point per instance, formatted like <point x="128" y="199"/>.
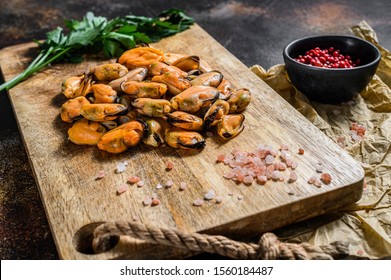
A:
<point x="74" y="201"/>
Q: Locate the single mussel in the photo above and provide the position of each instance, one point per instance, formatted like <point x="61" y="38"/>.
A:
<point x="184" y="139"/>
<point x="187" y="63"/>
<point x="230" y="126"/>
<point x="71" y="109"/>
<point x="156" y="131"/>
<point x="159" y="68"/>
<point x="103" y="93"/>
<point x="102" y="111"/>
<point x="215" y="113"/>
<point x="144" y="89"/>
<point x="140" y="57"/>
<point x="169" y="58"/>
<point x="137" y="75"/>
<point x="123" y="137"/>
<point x="76" y="86"/>
<point x="152" y="107"/>
<point x="85" y="132"/>
<point x="108" y="71"/>
<point x="212" y="79"/>
<point x="226" y="88"/>
<point x="185" y="120"/>
<point x="194" y="98"/>
<point x="174" y="81"/>
<point x="239" y="100"/>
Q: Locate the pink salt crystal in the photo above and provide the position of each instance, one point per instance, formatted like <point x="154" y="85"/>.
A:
<point x="169" y="165"/>
<point x="229" y="175"/>
<point x="182" y="186"/>
<point x="262" y="179"/>
<point x="282" y="166"/>
<point x="147" y="201"/>
<point x="311" y="180"/>
<point x="248" y="180"/>
<point x="276" y="175"/>
<point x="269" y="159"/>
<point x="198" y="202"/>
<point x="155" y="201"/>
<point x="240" y="197"/>
<point x="319" y="168"/>
<point x="140" y="183"/>
<point x="220" y="158"/>
<point x="227" y="160"/>
<point x="219" y="199"/>
<point x="121" y="189"/>
<point x="159" y="186"/>
<point x="270" y="168"/>
<point x="121" y="167"/>
<point x="294" y="165"/>
<point x="133" y="179"/>
<point x="239" y="177"/>
<point x="209" y="195"/>
<point x="100" y="175"/>
<point x="292" y="177"/>
<point x="230" y="194"/>
<point x="169" y="184"/>
<point x="234" y="151"/>
<point x="317" y="183"/>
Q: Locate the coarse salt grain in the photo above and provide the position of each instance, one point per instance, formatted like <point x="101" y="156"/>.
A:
<point x="311" y="180"/>
<point x="317" y="183"/>
<point x="248" y="180"/>
<point x="269" y="159"/>
<point x="140" y="183"/>
<point x="326" y="178"/>
<point x="159" y="186"/>
<point x="147" y="201"/>
<point x="169" y="165"/>
<point x="121" y="167"/>
<point x="209" y="195"/>
<point x="219" y="199"/>
<point x="220" y="158"/>
<point x="292" y="177"/>
<point x="301" y="151"/>
<point x="133" y="179"/>
<point x="319" y="168"/>
<point x="121" y="189"/>
<point x="276" y="175"/>
<point x="168" y="184"/>
<point x="183" y="186"/>
<point x="100" y="175"/>
<point x="155" y="201"/>
<point x="240" y="197"/>
<point x="198" y="202"/>
<point x="262" y="179"/>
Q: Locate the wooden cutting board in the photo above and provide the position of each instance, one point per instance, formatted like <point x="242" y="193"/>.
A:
<point x="75" y="202"/>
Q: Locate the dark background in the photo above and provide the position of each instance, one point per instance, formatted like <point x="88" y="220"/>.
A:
<point x="254" y="31"/>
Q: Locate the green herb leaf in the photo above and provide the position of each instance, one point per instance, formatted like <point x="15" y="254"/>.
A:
<point x="111" y="37"/>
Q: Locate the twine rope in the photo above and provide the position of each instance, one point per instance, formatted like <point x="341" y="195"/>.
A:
<point x="268" y="247"/>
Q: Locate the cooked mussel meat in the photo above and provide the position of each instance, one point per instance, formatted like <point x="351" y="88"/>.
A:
<point x="230" y="126"/>
<point x="194" y="98"/>
<point x="156" y="131"/>
<point x="102" y="111"/>
<point x="212" y="79"/>
<point x="71" y="109"/>
<point x="103" y="93"/>
<point x="185" y="120"/>
<point x="85" y="132"/>
<point x="216" y="112"/>
<point x="144" y="89"/>
<point x="123" y="137"/>
<point x="239" y="100"/>
<point x="108" y="72"/>
<point x="184" y="139"/>
<point x="76" y="86"/>
<point x="140" y="57"/>
<point x="187" y="63"/>
<point x="137" y="75"/>
<point x="152" y="107"/>
<point x="174" y="81"/>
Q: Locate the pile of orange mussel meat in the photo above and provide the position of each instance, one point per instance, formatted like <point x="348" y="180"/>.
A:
<point x="152" y="97"/>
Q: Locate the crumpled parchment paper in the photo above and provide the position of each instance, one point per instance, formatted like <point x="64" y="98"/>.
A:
<point x="366" y="225"/>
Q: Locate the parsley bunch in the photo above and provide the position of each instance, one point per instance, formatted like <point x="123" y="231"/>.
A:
<point x="96" y="34"/>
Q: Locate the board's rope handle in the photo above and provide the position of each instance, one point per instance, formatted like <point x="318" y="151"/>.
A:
<point x="268" y="247"/>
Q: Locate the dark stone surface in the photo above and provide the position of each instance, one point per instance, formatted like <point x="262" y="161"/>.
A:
<point x="254" y="31"/>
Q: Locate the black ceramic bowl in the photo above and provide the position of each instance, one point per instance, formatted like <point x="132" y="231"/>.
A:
<point x="331" y="85"/>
